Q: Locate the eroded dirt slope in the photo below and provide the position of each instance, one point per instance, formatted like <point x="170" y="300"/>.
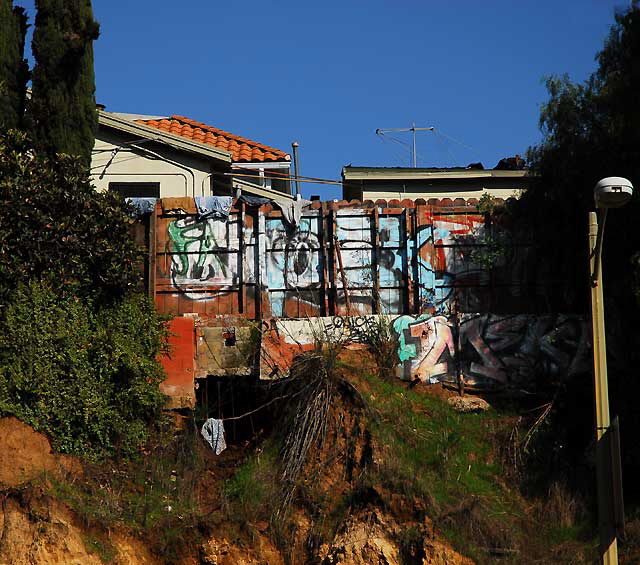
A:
<point x="36" y="528"/>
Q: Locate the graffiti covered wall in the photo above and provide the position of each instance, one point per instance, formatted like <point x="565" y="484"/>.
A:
<point x="455" y="287"/>
<point x="333" y="260"/>
<point x="486" y="350"/>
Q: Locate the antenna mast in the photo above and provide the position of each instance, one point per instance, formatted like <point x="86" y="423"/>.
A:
<point x="413" y="129"/>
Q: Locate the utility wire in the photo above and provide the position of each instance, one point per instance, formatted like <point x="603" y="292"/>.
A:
<point x="400" y="158"/>
<point x="440" y="132"/>
<point x="312" y="181"/>
<point x="290" y="395"/>
<point x="272" y="174"/>
<point x="279" y="175"/>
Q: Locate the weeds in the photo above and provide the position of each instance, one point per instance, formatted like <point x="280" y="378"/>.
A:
<point x="248" y="495"/>
<point x="103" y="548"/>
<point x="154" y="497"/>
<point x="382" y="341"/>
<point x="313" y="377"/>
<point x="412" y="546"/>
<point x="562" y="507"/>
<point x="446" y="442"/>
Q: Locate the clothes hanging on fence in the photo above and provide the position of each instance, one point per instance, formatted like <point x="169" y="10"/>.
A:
<point x="253" y="200"/>
<point x="292" y="209"/>
<point x="213" y="432"/>
<point x="181" y="204"/>
<point x="213" y="206"/>
<point x="142" y="205"/>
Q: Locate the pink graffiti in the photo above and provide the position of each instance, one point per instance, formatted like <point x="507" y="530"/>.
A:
<point x="435" y="337"/>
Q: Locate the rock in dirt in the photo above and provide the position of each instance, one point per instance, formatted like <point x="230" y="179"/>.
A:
<point x="220" y="551"/>
<point x="363" y="539"/>
<point x="468" y="404"/>
<point x="373" y="538"/>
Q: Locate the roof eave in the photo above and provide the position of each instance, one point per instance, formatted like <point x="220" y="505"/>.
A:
<point x="259" y="190"/>
<point x="374" y="173"/>
<point x="107" y="119"/>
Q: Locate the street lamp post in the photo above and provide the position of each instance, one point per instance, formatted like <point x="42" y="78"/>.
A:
<point x="611" y="192"/>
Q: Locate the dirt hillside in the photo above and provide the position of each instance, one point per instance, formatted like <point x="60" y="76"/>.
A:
<point x="39" y="528"/>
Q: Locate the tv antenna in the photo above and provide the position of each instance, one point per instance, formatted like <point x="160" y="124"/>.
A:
<point x="413" y="129"/>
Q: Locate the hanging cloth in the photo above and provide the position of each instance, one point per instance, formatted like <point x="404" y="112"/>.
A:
<point x="213" y="206"/>
<point x="142" y="205"/>
<point x="213" y="432"/>
<point x="292" y="209"/>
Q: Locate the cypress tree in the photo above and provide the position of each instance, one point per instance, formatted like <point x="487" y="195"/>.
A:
<point x="14" y="71"/>
<point x="63" y="109"/>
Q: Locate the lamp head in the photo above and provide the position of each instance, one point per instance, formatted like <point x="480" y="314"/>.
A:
<point x="612" y="192"/>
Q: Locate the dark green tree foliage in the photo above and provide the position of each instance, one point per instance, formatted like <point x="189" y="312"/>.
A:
<point x="63" y="107"/>
<point x="55" y="226"/>
<point x="78" y="340"/>
<point x="14" y="70"/>
<point x="591" y="131"/>
<point x="86" y="376"/>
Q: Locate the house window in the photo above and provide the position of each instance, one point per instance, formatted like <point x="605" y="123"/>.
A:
<point x="136" y="189"/>
<point x="281" y="185"/>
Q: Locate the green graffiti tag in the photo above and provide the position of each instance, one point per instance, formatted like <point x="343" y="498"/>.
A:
<point x="195" y="258"/>
<point x="406" y="350"/>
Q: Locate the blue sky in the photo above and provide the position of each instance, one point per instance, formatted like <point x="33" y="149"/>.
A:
<point x="328" y="74"/>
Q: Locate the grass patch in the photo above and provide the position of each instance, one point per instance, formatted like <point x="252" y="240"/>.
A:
<point x="250" y="493"/>
<point x="382" y="341"/>
<point x="103" y="548"/>
<point x="432" y="453"/>
<point x="154" y="497"/>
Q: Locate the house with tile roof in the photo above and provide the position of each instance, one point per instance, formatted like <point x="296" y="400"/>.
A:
<point x="174" y="156"/>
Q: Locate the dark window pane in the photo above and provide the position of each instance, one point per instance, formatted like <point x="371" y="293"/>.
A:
<point x="136" y="189"/>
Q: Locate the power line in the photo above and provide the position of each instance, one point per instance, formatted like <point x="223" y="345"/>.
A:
<point x="301" y="179"/>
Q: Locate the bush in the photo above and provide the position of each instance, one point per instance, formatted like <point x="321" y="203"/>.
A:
<point x="54" y="225"/>
<point x="382" y="341"/>
<point x="85" y="375"/>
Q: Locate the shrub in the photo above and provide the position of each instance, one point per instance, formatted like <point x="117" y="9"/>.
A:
<point x="383" y="342"/>
<point x="85" y="375"/>
<point x="54" y="225"/>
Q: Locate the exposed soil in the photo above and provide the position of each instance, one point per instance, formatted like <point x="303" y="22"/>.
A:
<point x="36" y="528"/>
<point x="26" y="454"/>
<point x="336" y="517"/>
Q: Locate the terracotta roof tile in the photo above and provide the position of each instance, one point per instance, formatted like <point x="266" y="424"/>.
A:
<point x="242" y="149"/>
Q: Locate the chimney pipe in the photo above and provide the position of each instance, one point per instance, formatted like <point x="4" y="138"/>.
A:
<point x="295" y="145"/>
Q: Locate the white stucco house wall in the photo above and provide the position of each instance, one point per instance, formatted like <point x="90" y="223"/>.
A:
<point x="173" y="156"/>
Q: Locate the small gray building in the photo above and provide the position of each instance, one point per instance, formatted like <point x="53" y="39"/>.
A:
<point x="509" y="178"/>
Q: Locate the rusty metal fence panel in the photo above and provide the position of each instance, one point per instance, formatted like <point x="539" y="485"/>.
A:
<point x="257" y="265"/>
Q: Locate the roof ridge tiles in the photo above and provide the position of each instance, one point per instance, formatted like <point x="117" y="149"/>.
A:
<point x="242" y="148"/>
<point x="202" y="125"/>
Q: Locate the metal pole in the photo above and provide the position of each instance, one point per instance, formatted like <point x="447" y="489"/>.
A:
<point x="295" y="145"/>
<point x="608" y="541"/>
<point x="343" y="276"/>
<point x="415" y="159"/>
<point x="598" y="251"/>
